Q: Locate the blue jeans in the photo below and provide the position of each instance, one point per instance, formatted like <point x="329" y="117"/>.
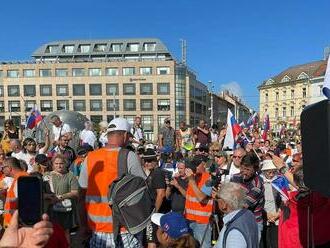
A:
<point x="260" y="228"/>
<point x="199" y="231"/>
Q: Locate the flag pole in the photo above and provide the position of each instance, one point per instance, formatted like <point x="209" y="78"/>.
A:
<point x="252" y="147"/>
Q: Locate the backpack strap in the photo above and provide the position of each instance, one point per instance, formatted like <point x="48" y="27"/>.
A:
<point x="122" y="162"/>
<point x="122" y="170"/>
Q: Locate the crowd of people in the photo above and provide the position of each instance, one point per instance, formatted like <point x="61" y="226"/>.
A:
<point x="204" y="194"/>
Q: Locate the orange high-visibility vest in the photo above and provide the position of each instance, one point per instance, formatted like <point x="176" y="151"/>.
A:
<point x="102" y="171"/>
<point x="11" y="199"/>
<point x="195" y="210"/>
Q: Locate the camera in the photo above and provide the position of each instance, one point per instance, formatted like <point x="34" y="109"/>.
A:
<point x="215" y="175"/>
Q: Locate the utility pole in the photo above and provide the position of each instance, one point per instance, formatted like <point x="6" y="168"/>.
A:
<point x="183" y="51"/>
<point x="211" y="87"/>
<point x="114" y="104"/>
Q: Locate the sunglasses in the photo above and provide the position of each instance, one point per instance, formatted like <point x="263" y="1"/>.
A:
<point x="237" y="156"/>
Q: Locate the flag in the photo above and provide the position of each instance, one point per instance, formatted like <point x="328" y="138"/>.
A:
<point x="266" y="127"/>
<point x="281" y="184"/>
<point x="252" y="120"/>
<point x="34" y="118"/>
<point x="326" y="86"/>
<point x="233" y="129"/>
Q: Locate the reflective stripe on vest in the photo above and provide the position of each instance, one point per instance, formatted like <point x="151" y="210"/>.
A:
<point x="194" y="209"/>
<point x="101" y="171"/>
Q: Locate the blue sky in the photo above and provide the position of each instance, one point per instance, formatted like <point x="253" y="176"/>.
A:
<point x="236" y="44"/>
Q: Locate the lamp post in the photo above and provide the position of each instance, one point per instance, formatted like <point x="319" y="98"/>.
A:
<point x="211" y="88"/>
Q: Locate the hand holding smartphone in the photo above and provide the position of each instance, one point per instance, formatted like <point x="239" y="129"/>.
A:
<point x="30" y="200"/>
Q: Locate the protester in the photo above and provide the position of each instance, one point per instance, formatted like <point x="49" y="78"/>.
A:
<point x="176" y="189"/>
<point x="97" y="172"/>
<point x="214" y="133"/>
<point x="60" y="128"/>
<point x="137" y="132"/>
<point x="240" y="228"/>
<point x="16" y="149"/>
<point x="253" y="185"/>
<point x="202" y="134"/>
<point x="198" y="205"/>
<point x="87" y="136"/>
<point x="41" y="164"/>
<point x="82" y="153"/>
<point x="64" y="185"/>
<point x="12" y="167"/>
<point x="234" y="167"/>
<point x="29" y="152"/>
<point x="103" y="140"/>
<point x="166" y="137"/>
<point x="185" y="138"/>
<point x="173" y="231"/>
<point x="64" y="149"/>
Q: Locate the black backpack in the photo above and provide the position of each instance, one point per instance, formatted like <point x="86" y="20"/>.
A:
<point x="130" y="200"/>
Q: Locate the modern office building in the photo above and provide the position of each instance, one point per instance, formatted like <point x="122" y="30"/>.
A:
<point x="285" y="95"/>
<point x="102" y="79"/>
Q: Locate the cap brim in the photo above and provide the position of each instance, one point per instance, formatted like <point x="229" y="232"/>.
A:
<point x="155" y="218"/>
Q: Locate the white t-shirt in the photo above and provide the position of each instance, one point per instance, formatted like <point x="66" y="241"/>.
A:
<point x="28" y="158"/>
<point x="87" y="136"/>
<point x="103" y="139"/>
<point x="61" y="130"/>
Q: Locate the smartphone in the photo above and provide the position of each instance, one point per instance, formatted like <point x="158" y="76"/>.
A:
<point x="30" y="200"/>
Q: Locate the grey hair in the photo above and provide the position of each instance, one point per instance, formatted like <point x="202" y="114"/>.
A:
<point x="233" y="194"/>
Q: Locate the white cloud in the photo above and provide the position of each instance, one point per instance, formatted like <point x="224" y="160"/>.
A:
<point x="233" y="87"/>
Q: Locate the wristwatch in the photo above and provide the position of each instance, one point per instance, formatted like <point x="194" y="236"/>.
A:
<point x="283" y="170"/>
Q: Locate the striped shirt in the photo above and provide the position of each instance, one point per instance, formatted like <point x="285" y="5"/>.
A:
<point x="255" y="197"/>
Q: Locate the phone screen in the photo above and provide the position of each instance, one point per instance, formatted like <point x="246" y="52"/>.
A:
<point x="30" y="200"/>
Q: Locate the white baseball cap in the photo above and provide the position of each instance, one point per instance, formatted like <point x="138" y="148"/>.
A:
<point x="268" y="165"/>
<point x="119" y="124"/>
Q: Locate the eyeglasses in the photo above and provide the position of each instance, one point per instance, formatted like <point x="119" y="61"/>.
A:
<point x="237" y="156"/>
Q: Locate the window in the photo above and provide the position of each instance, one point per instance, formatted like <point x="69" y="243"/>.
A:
<point x="163" y="70"/>
<point x="95" y="105"/>
<point x="163" y="105"/>
<point x="116" y="47"/>
<point x="12" y="73"/>
<point x="84" y="48"/>
<point x="29" y="105"/>
<point x="284" y="111"/>
<point x="14" y="106"/>
<point x="52" y="49"/>
<point x="46" y="105"/>
<point x="147" y="122"/>
<point x="29" y="90"/>
<point x="1" y="90"/>
<point x="1" y="73"/>
<point x="29" y="73"/>
<point x="112" y="89"/>
<point x="161" y="119"/>
<point x="129" y="89"/>
<point x="129" y="105"/>
<point x="146" y="104"/>
<point x="100" y="47"/>
<point x="304" y="92"/>
<point x="133" y="47"/>
<point x="277" y="96"/>
<point x="68" y="48"/>
<point x="78" y="90"/>
<point x="292" y="94"/>
<point x="146" y="89"/>
<point x="110" y="118"/>
<point x="163" y="89"/>
<point x="95" y="89"/>
<point x="79" y="105"/>
<point x="192" y="106"/>
<point x="62" y="104"/>
<point x="149" y="47"/>
<point x="285" y="79"/>
<point x="130" y="118"/>
<point x="13" y="90"/>
<point x="61" y="72"/>
<point x="96" y="118"/>
<point x="78" y="72"/>
<point x="2" y="106"/>
<point x="292" y="111"/>
<point x="266" y="97"/>
<point x="45" y="90"/>
<point x="111" y="71"/>
<point x="95" y="72"/>
<point x="180" y="105"/>
<point x="276" y="112"/>
<point x="284" y="94"/>
<point x="45" y="73"/>
<point x="112" y="105"/>
<point x="128" y="71"/>
<point x="145" y="70"/>
<point x="62" y="90"/>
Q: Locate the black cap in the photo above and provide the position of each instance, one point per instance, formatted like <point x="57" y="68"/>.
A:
<point x="41" y="159"/>
<point x="149" y="154"/>
<point x="85" y="148"/>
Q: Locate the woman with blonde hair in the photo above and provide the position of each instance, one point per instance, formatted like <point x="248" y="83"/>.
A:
<point x="103" y="139"/>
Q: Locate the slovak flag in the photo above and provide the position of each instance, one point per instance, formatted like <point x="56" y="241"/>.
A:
<point x="266" y="127"/>
<point x="233" y="129"/>
<point x="34" y="118"/>
<point x="281" y="184"/>
<point x="326" y="86"/>
<point x="252" y="120"/>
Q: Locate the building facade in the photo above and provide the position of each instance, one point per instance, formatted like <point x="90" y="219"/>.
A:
<point x="284" y="96"/>
<point x="102" y="79"/>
